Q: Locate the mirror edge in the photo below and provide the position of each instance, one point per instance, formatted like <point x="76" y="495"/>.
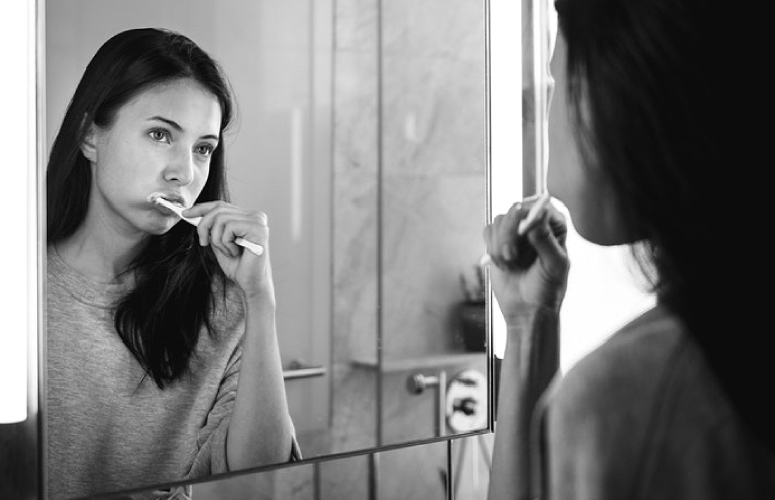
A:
<point x="40" y="160"/>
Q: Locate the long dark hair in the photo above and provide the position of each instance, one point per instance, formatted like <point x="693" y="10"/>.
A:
<point x="159" y="320"/>
<point x="664" y="121"/>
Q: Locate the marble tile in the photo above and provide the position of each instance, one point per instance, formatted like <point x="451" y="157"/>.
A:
<point x="355" y="233"/>
<point x="356" y="25"/>
<point x="438" y="28"/>
<point x="433" y="120"/>
<point x="430" y="175"/>
<point x="432" y="232"/>
<point x="354" y="198"/>
<point x="355" y="117"/>
<point x="433" y="181"/>
<point x="354" y="195"/>
<point x="354" y="404"/>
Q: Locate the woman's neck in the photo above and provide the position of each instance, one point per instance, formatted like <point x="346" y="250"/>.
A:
<point x="103" y="256"/>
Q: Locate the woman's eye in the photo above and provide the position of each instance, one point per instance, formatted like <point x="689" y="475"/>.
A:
<point x="205" y="150"/>
<point x="159" y="135"/>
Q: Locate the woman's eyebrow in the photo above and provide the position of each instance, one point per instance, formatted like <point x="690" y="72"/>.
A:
<point x="177" y="127"/>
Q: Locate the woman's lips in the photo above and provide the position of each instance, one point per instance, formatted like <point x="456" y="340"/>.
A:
<point x="173" y="198"/>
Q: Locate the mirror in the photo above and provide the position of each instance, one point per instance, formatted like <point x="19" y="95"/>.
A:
<point x="362" y="133"/>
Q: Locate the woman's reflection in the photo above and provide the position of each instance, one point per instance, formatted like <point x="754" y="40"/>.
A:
<point x="152" y="322"/>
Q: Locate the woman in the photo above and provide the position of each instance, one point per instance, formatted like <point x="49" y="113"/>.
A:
<point x="163" y="360"/>
<point x="641" y="152"/>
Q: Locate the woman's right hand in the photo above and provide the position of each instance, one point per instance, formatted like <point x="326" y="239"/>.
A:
<point x="222" y="223"/>
<point x="531" y="270"/>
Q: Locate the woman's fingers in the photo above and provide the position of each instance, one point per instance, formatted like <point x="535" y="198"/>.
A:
<point x="495" y="237"/>
<point x="506" y="233"/>
<point x="253" y="228"/>
<point x="222" y="224"/>
<point x="547" y="237"/>
<point x="505" y="245"/>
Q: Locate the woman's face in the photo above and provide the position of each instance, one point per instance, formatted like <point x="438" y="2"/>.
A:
<point x="161" y="141"/>
<point x="583" y="188"/>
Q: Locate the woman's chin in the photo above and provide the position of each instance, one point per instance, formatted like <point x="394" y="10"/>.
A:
<point x="160" y="227"/>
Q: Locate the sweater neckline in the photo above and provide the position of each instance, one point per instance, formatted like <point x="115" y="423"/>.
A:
<point x="80" y="286"/>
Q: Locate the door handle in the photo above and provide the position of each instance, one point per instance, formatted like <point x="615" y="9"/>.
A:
<point x="299" y="369"/>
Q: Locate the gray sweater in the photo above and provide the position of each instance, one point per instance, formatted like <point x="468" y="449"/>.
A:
<point x="642" y="417"/>
<point x="108" y="427"/>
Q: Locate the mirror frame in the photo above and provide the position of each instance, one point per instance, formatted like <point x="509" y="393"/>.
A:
<point x="33" y="433"/>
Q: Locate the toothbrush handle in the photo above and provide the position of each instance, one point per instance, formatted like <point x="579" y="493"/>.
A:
<point x="253" y="247"/>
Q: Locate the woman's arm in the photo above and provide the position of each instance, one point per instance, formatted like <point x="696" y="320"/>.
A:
<point x="260" y="429"/>
<point x="529" y="279"/>
<point x="530" y="363"/>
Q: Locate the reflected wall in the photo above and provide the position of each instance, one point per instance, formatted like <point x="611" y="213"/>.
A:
<point x="434" y="199"/>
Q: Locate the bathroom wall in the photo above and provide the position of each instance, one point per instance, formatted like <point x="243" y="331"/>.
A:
<point x="433" y="168"/>
<point x="409" y="148"/>
<point x="409" y="157"/>
<point x="355" y="224"/>
<point x="434" y="198"/>
<point x="410" y="189"/>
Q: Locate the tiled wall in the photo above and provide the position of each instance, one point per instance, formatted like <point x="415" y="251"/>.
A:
<point x="409" y="153"/>
<point x="409" y="207"/>
<point x="433" y="168"/>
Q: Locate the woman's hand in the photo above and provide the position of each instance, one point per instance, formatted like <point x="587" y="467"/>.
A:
<point x="530" y="270"/>
<point x="221" y="224"/>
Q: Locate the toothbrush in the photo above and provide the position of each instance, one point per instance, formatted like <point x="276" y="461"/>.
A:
<point x="194" y="221"/>
<point x="532" y="214"/>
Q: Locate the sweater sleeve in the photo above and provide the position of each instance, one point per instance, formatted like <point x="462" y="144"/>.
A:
<point x="211" y="441"/>
<point x="211" y="455"/>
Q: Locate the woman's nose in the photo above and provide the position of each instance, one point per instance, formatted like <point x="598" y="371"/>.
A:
<point x="180" y="168"/>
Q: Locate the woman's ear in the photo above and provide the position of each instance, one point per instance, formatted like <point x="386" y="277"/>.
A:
<point x="88" y="144"/>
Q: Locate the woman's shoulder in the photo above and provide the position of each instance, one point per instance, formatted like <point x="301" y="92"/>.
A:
<point x="616" y="387"/>
<point x="640" y="348"/>
<point x="647" y="403"/>
<point x="632" y="355"/>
